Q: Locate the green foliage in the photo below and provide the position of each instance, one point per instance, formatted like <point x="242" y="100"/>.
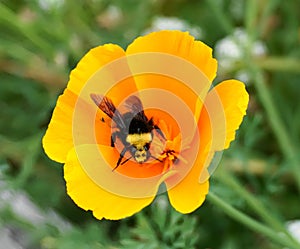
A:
<point x="259" y="174"/>
<point x="161" y="227"/>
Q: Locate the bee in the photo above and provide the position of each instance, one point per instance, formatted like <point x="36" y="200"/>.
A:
<point x="134" y="128"/>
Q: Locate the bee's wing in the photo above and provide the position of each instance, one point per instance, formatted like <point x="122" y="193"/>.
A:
<point x="135" y="106"/>
<point x="107" y="106"/>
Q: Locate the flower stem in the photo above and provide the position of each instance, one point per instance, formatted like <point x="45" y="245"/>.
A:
<point x="223" y="19"/>
<point x="267" y="9"/>
<point x="32" y="153"/>
<point x="9" y="17"/>
<point x="253" y="202"/>
<point x="279" y="238"/>
<point x="279" y="64"/>
<point x="279" y="129"/>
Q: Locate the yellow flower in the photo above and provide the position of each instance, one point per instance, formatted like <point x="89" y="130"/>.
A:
<point x="187" y="122"/>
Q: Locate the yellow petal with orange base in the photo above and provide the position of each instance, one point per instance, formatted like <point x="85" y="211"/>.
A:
<point x="92" y="61"/>
<point x="185" y="190"/>
<point x="189" y="195"/>
<point x="174" y="62"/>
<point x="59" y="139"/>
<point x="225" y="107"/>
<point x="223" y="112"/>
<point x="88" y="194"/>
<point x="103" y="70"/>
<point x="180" y="44"/>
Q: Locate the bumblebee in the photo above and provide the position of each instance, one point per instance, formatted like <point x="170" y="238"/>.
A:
<point x="134" y="128"/>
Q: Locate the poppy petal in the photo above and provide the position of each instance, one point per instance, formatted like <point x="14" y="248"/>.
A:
<point x="188" y="195"/>
<point x="94" y="60"/>
<point x="88" y="129"/>
<point x="225" y="107"/>
<point x="173" y="63"/>
<point x="88" y="195"/>
<point x="180" y="44"/>
<point x="57" y="146"/>
<point x="185" y="190"/>
<point x="75" y="104"/>
<point x="222" y="114"/>
<point x="103" y="70"/>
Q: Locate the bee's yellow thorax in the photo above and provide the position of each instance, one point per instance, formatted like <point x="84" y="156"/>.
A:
<point x="139" y="140"/>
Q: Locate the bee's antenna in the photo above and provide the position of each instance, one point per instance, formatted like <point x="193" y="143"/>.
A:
<point x="121" y="163"/>
<point x="126" y="160"/>
<point x="156" y="158"/>
<point x="120" y="158"/>
<point x="115" y="167"/>
<point x="159" y="131"/>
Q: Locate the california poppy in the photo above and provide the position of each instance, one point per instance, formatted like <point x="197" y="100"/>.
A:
<point x="186" y="124"/>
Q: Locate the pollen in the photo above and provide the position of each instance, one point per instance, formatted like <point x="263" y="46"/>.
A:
<point x="139" y="139"/>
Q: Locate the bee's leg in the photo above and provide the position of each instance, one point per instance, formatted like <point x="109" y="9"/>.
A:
<point x="113" y="138"/>
<point x="159" y="131"/>
<point x="125" y="161"/>
<point x="120" y="158"/>
<point x="156" y="158"/>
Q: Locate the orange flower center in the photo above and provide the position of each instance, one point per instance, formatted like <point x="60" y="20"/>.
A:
<point x="147" y="154"/>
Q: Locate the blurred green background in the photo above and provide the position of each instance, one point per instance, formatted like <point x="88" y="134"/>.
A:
<point x="255" y="41"/>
